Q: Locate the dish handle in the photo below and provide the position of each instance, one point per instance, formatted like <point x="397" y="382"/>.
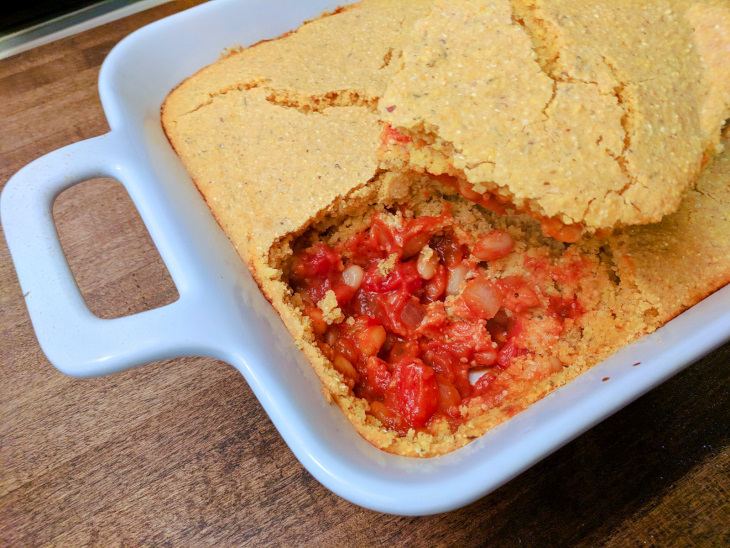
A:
<point x="75" y="340"/>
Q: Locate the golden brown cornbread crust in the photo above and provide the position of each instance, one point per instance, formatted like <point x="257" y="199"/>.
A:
<point x="282" y="147"/>
<point x="593" y="113"/>
<point x="239" y="123"/>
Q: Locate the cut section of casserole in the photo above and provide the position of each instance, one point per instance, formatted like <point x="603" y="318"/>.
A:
<point x="428" y="318"/>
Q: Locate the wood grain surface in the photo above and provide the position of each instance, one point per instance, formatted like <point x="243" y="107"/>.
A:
<point x="180" y="453"/>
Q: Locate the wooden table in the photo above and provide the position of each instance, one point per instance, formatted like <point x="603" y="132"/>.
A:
<point x="180" y="453"/>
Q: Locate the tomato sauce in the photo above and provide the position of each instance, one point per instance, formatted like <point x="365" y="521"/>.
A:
<point x="390" y="134"/>
<point x="419" y="314"/>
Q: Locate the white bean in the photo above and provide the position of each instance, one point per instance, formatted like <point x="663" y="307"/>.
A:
<point x="494" y="245"/>
<point x="456" y="277"/>
<point x="353" y="276"/>
<point x="482" y="297"/>
<point x="427" y="262"/>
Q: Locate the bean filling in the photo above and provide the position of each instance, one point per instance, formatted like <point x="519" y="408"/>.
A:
<point x="405" y="310"/>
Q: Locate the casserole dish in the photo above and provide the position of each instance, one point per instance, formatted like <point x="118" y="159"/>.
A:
<point x="221" y="313"/>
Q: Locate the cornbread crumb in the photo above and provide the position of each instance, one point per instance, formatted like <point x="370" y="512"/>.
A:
<point x="331" y="312"/>
<point x="386" y="266"/>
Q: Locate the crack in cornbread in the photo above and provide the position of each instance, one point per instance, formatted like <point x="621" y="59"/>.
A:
<point x="599" y="115"/>
<point x="282" y="140"/>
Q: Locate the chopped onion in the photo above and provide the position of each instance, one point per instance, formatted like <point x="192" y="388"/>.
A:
<point x="413" y="313"/>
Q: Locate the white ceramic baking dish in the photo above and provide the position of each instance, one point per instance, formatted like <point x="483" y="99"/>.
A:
<point x="221" y="313"/>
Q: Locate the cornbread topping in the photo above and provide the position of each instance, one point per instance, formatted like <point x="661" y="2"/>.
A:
<point x="589" y="116"/>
